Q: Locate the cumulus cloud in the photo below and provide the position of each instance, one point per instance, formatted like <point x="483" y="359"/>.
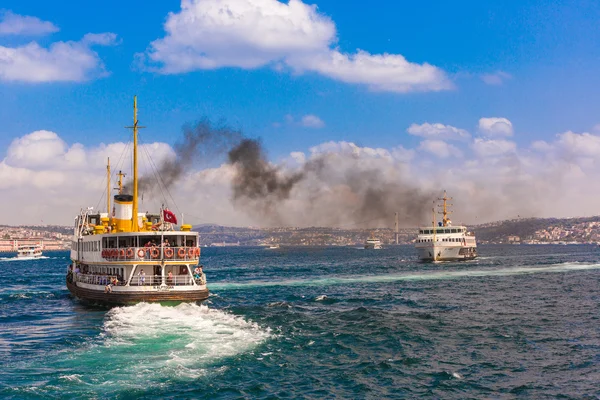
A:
<point x="440" y="149"/>
<point x="496" y="79"/>
<point x="42" y="165"/>
<point x="438" y="131"/>
<point x="61" y="62"/>
<point x="490" y="148"/>
<point x="312" y="121"/>
<point x="495" y="127"/>
<point x="14" y="24"/>
<point x="209" y="34"/>
<point x="494" y="179"/>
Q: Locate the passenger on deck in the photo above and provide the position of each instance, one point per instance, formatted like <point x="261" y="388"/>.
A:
<point x="149" y="244"/>
<point x="198" y="272"/>
<point x="166" y="243"/>
<point x="170" y="278"/>
<point x="142" y="277"/>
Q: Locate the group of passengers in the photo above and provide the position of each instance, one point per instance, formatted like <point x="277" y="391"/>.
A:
<point x="152" y="243"/>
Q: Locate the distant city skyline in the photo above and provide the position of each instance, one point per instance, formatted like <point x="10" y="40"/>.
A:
<point x="494" y="102"/>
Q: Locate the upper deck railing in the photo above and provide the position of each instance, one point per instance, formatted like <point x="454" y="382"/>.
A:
<point x="154" y="253"/>
<point x="141" y="280"/>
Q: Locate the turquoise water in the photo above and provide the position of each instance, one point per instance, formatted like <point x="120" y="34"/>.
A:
<point x="519" y="322"/>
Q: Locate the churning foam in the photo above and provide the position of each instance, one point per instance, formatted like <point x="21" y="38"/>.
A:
<point x="195" y="334"/>
<point x="437" y="275"/>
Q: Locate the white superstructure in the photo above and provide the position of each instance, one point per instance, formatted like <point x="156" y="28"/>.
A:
<point x="373" y="243"/>
<point x="445" y="242"/>
<point x="29" y="251"/>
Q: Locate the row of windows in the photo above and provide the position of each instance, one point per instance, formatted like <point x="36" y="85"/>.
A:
<point x="456" y="240"/>
<point x="441" y="230"/>
<point x="86" y="246"/>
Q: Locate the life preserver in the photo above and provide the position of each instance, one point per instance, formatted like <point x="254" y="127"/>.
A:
<point x="141" y="253"/>
<point x="168" y="252"/>
<point x="181" y="252"/>
<point x="129" y="252"/>
<point x="191" y="252"/>
<point x="114" y="253"/>
<point x="154" y="252"/>
<point x="103" y="253"/>
<point x="122" y="253"/>
<point x="197" y="251"/>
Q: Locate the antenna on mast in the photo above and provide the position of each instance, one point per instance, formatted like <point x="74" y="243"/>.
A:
<point x="445" y="220"/>
<point x="121" y="175"/>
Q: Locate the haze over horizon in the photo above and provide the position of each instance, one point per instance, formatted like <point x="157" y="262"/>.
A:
<point x="357" y="111"/>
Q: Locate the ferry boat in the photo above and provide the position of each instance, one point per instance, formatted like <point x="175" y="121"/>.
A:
<point x="28" y="251"/>
<point x="445" y="242"/>
<point x="128" y="257"/>
<point x="373" y="243"/>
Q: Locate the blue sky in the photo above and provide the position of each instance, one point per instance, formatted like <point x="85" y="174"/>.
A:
<point x="539" y="59"/>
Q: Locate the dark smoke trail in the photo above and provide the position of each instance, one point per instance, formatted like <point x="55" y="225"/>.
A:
<point x="202" y="142"/>
<point x="329" y="190"/>
<point x="257" y="180"/>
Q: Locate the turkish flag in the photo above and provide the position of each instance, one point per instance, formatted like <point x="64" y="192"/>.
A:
<point x="169" y="217"/>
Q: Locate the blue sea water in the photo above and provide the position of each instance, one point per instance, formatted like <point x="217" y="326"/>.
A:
<point x="518" y="322"/>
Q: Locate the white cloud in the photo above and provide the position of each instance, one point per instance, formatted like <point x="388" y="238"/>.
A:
<point x="579" y="144"/>
<point x="497" y="78"/>
<point x="498" y="180"/>
<point x="209" y="34"/>
<point x="14" y="24"/>
<point x="61" y="62"/>
<point x="350" y="149"/>
<point x="380" y="72"/>
<point x="438" y="131"/>
<point x="440" y="148"/>
<point x="312" y="121"/>
<point x="491" y="148"/>
<point x="495" y="127"/>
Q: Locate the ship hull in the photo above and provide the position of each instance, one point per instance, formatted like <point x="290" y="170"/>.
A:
<point x="446" y="253"/>
<point x="116" y="298"/>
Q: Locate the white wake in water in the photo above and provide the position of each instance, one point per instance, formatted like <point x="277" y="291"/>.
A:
<point x="149" y="345"/>
<point x="7" y="259"/>
<point x="190" y="333"/>
<point x="437" y="275"/>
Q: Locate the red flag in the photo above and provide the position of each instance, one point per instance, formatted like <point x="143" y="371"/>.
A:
<point x="169" y="217"/>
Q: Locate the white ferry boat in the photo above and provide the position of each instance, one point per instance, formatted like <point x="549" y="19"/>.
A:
<point x="373" y="243"/>
<point x="445" y="242"/>
<point x="29" y="251"/>
<point x="127" y="257"/>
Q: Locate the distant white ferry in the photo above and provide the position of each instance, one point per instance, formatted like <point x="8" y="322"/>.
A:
<point x="373" y="243"/>
<point x="445" y="242"/>
<point x="29" y="251"/>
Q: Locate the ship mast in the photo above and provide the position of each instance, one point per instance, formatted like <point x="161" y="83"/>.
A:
<point x="445" y="212"/>
<point x="134" y="217"/>
<point x="108" y="186"/>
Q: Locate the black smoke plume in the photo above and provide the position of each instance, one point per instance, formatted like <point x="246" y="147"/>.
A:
<point x="331" y="189"/>
<point x="202" y="142"/>
<point x="256" y="180"/>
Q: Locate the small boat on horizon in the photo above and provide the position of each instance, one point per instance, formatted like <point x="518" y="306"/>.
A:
<point x="373" y="243"/>
<point x="29" y="251"/>
<point x="445" y="242"/>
